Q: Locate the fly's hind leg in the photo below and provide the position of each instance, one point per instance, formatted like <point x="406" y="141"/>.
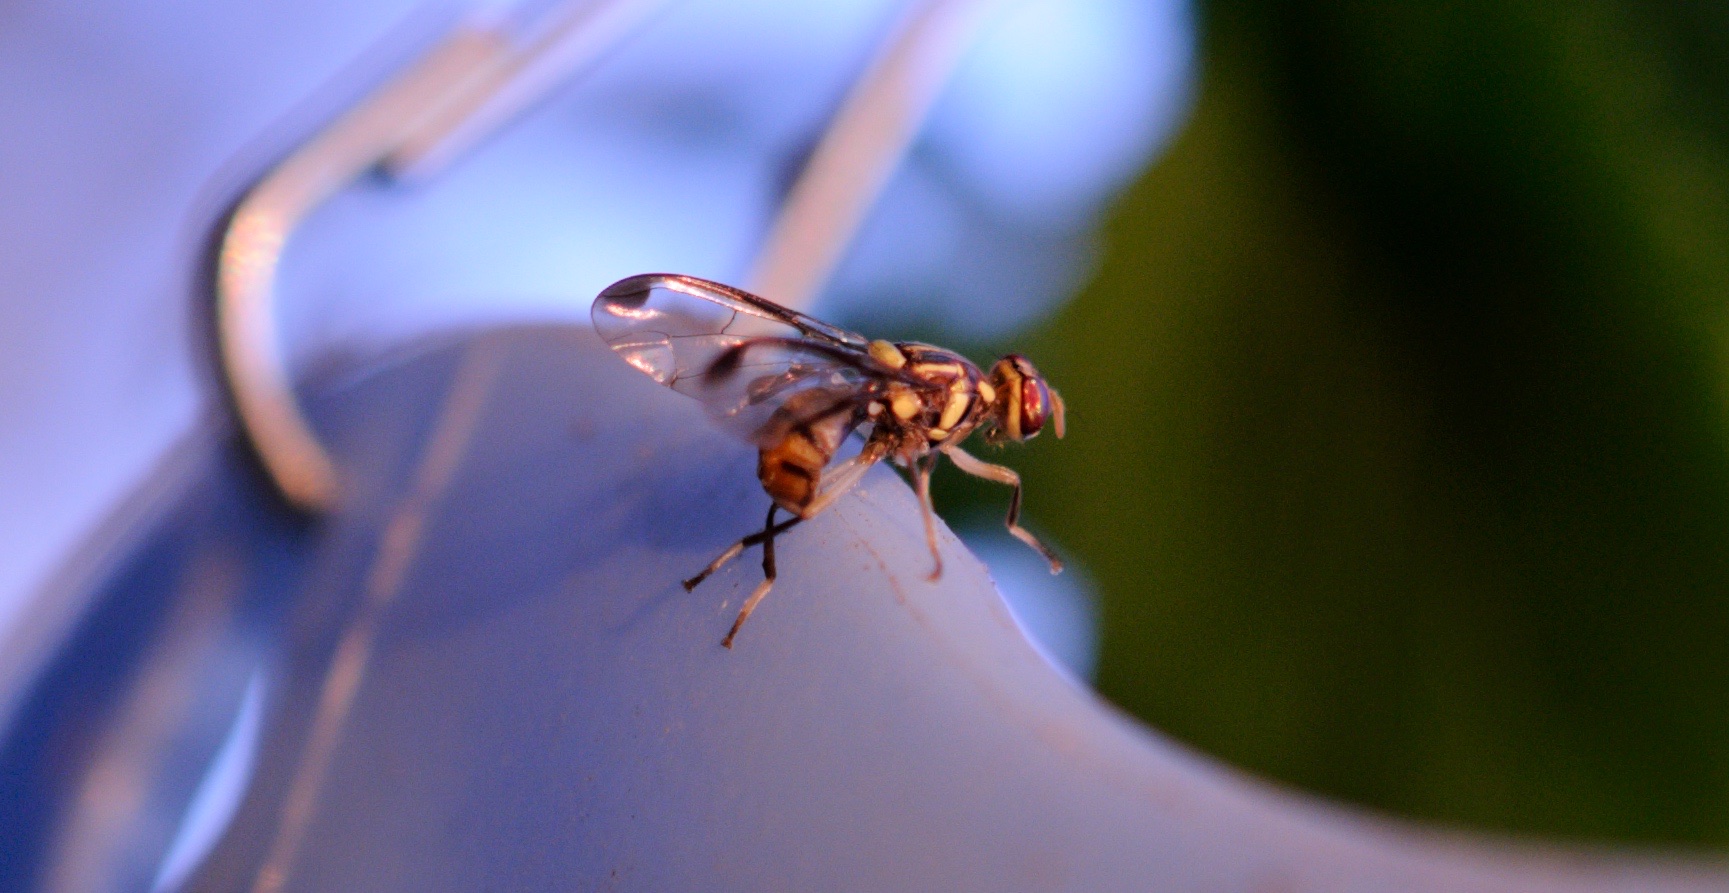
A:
<point x="769" y="532"/>
<point x="922" y="477"/>
<point x="835" y="484"/>
<point x="976" y="467"/>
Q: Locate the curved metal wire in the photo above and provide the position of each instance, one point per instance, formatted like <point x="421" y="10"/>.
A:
<point x="463" y="89"/>
<point x="478" y="77"/>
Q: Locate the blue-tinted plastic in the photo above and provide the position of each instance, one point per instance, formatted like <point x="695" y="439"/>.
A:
<point x="483" y="674"/>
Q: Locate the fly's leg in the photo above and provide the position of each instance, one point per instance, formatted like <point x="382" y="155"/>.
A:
<point x="835" y="484"/>
<point x="968" y="463"/>
<point x="838" y="480"/>
<point x="923" y="478"/>
<point x="769" y="532"/>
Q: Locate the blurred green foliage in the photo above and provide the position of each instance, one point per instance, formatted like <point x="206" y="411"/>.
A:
<point x="1398" y="439"/>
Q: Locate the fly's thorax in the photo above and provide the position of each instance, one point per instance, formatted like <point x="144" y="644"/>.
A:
<point x="939" y="397"/>
<point x="951" y="403"/>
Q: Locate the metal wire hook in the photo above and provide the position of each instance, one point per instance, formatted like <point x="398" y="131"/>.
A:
<point x="476" y="79"/>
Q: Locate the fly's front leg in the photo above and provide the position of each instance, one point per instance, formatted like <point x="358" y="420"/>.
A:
<point x="769" y="532"/>
<point x="976" y="467"/>
<point x="922" y="475"/>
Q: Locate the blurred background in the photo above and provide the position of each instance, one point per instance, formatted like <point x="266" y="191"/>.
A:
<point x="1398" y="465"/>
<point x="1398" y="445"/>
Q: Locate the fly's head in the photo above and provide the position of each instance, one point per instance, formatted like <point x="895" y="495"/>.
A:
<point x="1024" y="402"/>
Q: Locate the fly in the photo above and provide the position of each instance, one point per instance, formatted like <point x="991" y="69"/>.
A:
<point x="797" y="388"/>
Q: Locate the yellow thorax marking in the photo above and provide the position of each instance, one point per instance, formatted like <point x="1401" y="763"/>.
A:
<point x="887" y="354"/>
<point x="932" y="369"/>
<point x="956" y="406"/>
<point x="986" y="392"/>
<point x="905" y="405"/>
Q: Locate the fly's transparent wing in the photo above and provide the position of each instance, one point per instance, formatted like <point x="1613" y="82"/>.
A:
<point x="711" y="307"/>
<point x="743" y="357"/>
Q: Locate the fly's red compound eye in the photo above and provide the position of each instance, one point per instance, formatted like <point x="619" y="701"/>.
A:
<point x="1035" y="406"/>
<point x="1026" y="402"/>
